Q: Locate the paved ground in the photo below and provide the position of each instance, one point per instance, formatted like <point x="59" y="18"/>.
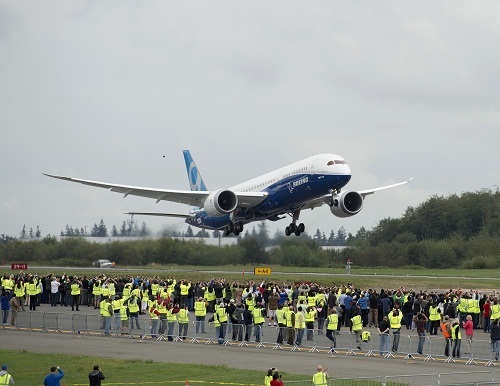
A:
<point x="302" y="362"/>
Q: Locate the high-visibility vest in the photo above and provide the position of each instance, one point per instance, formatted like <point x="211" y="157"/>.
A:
<point x="184" y="289"/>
<point x="117" y="304"/>
<point x="311" y="301"/>
<point x="257" y="316"/>
<point x="320" y="379"/>
<point x="75" y="289"/>
<point x="289" y="317"/>
<point x="103" y="307"/>
<point x="153" y="312"/>
<point x="200" y="308"/>
<point x="127" y="290"/>
<point x="19" y="291"/>
<point x="250" y="302"/>
<point x="5" y="379"/>
<point x="183" y="316"/>
<point x="433" y="313"/>
<point x="31" y="290"/>
<point x="395" y="321"/>
<point x="221" y="314"/>
<point x="357" y="323"/>
<point x="300" y="320"/>
<point x="495" y="312"/>
<point x="171" y="316"/>
<point x="154" y="288"/>
<point x="455" y="329"/>
<point x="123" y="311"/>
<point x="280" y="316"/>
<point x="444" y="330"/>
<point x="8" y="284"/>
<point x="471" y="305"/>
<point x="105" y="290"/>
<point x="132" y="305"/>
<point x="112" y="289"/>
<point x="96" y="289"/>
<point x="310" y="316"/>
<point x="332" y="322"/>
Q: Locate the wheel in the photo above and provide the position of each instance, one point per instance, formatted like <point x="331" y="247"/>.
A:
<point x="302" y="227"/>
<point x="297" y="232"/>
<point x="287" y="231"/>
<point x="238" y="227"/>
<point x="292" y="227"/>
<point x="230" y="227"/>
<point x="236" y="233"/>
<point x="226" y="232"/>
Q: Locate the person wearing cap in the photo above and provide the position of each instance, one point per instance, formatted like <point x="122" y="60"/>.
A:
<point x="321" y="377"/>
<point x="5" y="377"/>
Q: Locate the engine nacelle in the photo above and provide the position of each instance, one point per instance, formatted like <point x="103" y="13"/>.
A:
<point x="220" y="203"/>
<point x="347" y="204"/>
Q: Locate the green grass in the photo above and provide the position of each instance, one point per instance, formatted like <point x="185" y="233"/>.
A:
<point x="411" y="277"/>
<point x="30" y="369"/>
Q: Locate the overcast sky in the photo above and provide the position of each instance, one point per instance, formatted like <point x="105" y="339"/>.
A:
<point x="103" y="90"/>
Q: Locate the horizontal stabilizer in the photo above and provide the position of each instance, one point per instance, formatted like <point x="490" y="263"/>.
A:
<point x="161" y="214"/>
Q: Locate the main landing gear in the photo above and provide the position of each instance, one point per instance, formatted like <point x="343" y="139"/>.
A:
<point x="293" y="227"/>
<point x="235" y="228"/>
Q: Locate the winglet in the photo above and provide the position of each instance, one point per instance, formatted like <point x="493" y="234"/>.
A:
<point x="195" y="179"/>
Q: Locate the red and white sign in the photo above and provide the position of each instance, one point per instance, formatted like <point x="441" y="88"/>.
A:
<point x="19" y="266"/>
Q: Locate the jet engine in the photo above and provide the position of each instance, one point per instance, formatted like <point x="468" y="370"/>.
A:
<point x="346" y="204"/>
<point x="220" y="203"/>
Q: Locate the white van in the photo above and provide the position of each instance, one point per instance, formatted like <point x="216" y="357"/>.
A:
<point x="103" y="264"/>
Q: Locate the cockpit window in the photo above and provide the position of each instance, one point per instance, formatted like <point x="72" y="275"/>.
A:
<point x="340" y="162"/>
<point x="336" y="162"/>
<point x="330" y="163"/>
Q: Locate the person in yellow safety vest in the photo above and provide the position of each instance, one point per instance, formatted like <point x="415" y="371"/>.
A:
<point x="184" y="291"/>
<point x="221" y="317"/>
<point x="456" y="338"/>
<point x="183" y="322"/>
<point x="311" y="299"/>
<point x="117" y="305"/>
<point x="112" y="289"/>
<point x="462" y="307"/>
<point x="395" y="318"/>
<point x="258" y="320"/>
<point x="106" y="310"/>
<point x="281" y="319"/>
<point x="300" y="325"/>
<point x="250" y="302"/>
<point x="127" y="291"/>
<point x="321" y="377"/>
<point x="290" y="323"/>
<point x="210" y="297"/>
<point x="8" y="283"/>
<point x="332" y="322"/>
<point x="310" y="317"/>
<point x="96" y="293"/>
<point x="76" y="286"/>
<point x="32" y="291"/>
<point x="269" y="377"/>
<point x="200" y="310"/>
<point x="356" y="326"/>
<point x="144" y="299"/>
<point x="495" y="310"/>
<point x="162" y="309"/>
<point x="154" y="288"/>
<point x="171" y="319"/>
<point x="5" y="377"/>
<point x="434" y="318"/>
<point x="19" y="293"/>
<point x="124" y="317"/>
<point x="105" y="290"/>
<point x="133" y="306"/>
<point x="154" y="314"/>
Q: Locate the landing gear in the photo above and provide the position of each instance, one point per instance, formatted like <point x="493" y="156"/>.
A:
<point x="235" y="228"/>
<point x="293" y="227"/>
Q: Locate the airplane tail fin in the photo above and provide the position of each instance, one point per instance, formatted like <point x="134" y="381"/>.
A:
<point x="195" y="179"/>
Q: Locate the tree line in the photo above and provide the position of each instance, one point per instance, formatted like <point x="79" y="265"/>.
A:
<point x="443" y="232"/>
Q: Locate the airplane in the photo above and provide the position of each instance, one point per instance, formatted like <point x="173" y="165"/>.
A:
<point x="306" y="184"/>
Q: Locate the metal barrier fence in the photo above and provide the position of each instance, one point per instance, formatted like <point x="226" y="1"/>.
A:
<point x="277" y="338"/>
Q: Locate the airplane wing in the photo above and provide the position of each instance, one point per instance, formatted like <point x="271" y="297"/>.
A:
<point x="311" y="204"/>
<point x="162" y="214"/>
<point x="188" y="197"/>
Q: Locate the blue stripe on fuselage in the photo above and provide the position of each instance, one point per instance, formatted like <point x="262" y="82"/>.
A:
<point x="283" y="196"/>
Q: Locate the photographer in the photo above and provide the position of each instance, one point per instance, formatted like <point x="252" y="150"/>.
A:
<point x="54" y="377"/>
<point x="5" y="301"/>
<point x="96" y="376"/>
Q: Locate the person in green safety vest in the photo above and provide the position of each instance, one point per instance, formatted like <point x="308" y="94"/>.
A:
<point x="321" y="377"/>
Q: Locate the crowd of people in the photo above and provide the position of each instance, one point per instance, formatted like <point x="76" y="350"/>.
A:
<point x="298" y="309"/>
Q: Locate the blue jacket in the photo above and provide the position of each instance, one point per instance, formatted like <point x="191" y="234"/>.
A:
<point x="53" y="379"/>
